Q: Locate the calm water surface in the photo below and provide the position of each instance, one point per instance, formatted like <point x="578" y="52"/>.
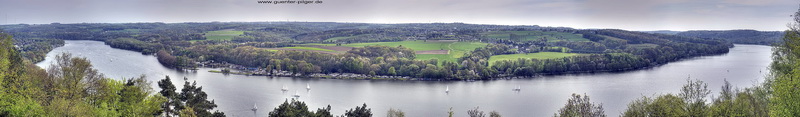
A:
<point x="744" y="66"/>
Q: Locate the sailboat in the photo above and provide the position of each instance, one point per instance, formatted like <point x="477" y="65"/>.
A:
<point x="254" y="108"/>
<point x="447" y="89"/>
<point x="284" y="88"/>
<point x="296" y="95"/>
<point x="308" y="87"/>
<point x="518" y="88"/>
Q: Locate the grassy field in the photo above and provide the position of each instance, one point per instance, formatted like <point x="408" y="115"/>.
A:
<point x="457" y="49"/>
<point x="535" y="35"/>
<point x="539" y="55"/>
<point x="222" y="34"/>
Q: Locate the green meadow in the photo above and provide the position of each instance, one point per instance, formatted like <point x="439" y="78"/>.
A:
<point x="222" y="34"/>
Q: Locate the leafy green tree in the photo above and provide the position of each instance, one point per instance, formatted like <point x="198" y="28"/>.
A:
<point x="395" y="113"/>
<point x="580" y="106"/>
<point x="323" y="112"/>
<point x="695" y="93"/>
<point x="168" y="91"/>
<point x="392" y="71"/>
<point x="291" y="109"/>
<point x="495" y="114"/>
<point x="475" y="113"/>
<point x="785" y="71"/>
<point x="638" y="107"/>
<point x="296" y="108"/>
<point x="667" y="106"/>
<point x="726" y="106"/>
<point x="361" y="111"/>
<point x="13" y="99"/>
<point x="450" y="112"/>
<point x="195" y="98"/>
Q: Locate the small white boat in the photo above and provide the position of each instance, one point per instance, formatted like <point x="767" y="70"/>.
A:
<point x="284" y="88"/>
<point x="296" y="95"/>
<point x="254" y="107"/>
<point x="518" y="88"/>
<point x="447" y="89"/>
<point x="308" y="87"/>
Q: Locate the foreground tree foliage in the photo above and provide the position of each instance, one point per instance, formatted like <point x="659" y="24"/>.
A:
<point x="359" y="111"/>
<point x="785" y="71"/>
<point x="751" y="102"/>
<point x="580" y="106"/>
<point x="296" y="108"/>
<point x="70" y="87"/>
<point x="192" y="100"/>
<point x="395" y="113"/>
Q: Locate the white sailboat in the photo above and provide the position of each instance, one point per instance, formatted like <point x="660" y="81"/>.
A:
<point x="308" y="87"/>
<point x="447" y="89"/>
<point x="254" y="108"/>
<point x="518" y="88"/>
<point x="284" y="88"/>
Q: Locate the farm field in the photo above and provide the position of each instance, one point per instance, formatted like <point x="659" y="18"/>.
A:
<point x="222" y="34"/>
<point x="538" y="55"/>
<point x="535" y="35"/>
<point x="452" y="48"/>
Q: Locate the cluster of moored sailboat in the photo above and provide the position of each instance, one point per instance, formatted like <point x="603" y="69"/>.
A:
<point x="296" y="95"/>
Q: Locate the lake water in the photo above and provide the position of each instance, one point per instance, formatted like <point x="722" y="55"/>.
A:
<point x="744" y="66"/>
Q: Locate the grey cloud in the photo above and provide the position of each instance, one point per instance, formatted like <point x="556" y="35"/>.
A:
<point x="624" y="14"/>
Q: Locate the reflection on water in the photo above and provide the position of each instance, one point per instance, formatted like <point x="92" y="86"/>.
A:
<point x="236" y="95"/>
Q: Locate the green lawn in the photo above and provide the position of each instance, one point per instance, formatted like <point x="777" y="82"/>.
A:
<point x="536" y="35"/>
<point x="222" y="34"/>
<point x="539" y="55"/>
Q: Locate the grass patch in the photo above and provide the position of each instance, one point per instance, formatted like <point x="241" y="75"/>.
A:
<point x="222" y="34"/>
<point x="536" y="35"/>
<point x="538" y="55"/>
<point x="414" y="45"/>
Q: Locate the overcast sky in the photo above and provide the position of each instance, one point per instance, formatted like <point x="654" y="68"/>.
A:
<point x="771" y="15"/>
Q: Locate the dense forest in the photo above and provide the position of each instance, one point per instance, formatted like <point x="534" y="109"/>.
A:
<point x="276" y="48"/>
<point x="737" y="36"/>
